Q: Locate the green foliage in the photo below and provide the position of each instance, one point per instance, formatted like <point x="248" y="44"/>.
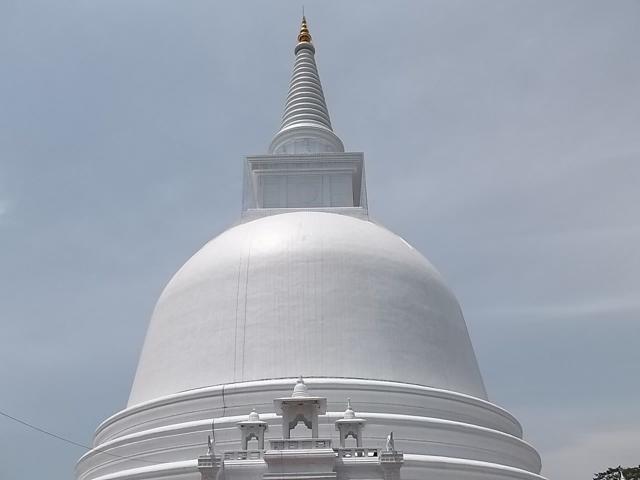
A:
<point x="630" y="473"/>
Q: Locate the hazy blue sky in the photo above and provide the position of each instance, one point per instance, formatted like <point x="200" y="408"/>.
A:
<point x="501" y="138"/>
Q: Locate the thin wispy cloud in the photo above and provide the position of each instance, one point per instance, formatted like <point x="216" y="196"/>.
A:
<point x="4" y="210"/>
<point x="553" y="312"/>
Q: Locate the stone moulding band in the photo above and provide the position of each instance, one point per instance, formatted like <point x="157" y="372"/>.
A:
<point x="422" y="461"/>
<point x="328" y="383"/>
<point x="432" y="423"/>
<point x="187" y="413"/>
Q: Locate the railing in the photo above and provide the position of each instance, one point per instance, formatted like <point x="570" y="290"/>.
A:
<point x="207" y="461"/>
<point x="300" y="443"/>
<point x="357" y="452"/>
<point x="391" y="457"/>
<point x="243" y="455"/>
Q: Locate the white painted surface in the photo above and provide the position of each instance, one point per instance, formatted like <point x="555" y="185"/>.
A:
<point x="306" y="126"/>
<point x="426" y="422"/>
<point x="306" y="181"/>
<point x="317" y="294"/>
<point x="306" y="284"/>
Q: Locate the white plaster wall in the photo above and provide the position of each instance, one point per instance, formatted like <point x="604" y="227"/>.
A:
<point x="367" y="395"/>
<point x="338" y="299"/>
<point x="308" y="293"/>
<point x="426" y="423"/>
<point x="415" y="468"/>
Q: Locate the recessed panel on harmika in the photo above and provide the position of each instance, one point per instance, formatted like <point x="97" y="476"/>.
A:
<point x="307" y="341"/>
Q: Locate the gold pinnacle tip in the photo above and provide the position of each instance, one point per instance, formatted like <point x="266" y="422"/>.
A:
<point x="304" y="35"/>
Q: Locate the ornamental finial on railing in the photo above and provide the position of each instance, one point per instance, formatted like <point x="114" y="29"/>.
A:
<point x="304" y="35"/>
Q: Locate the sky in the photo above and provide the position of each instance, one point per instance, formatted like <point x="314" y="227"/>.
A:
<point x="501" y="139"/>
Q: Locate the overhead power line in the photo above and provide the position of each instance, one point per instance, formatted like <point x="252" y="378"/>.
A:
<point x="71" y="442"/>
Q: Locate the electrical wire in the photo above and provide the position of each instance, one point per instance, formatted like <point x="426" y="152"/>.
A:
<point x="71" y="442"/>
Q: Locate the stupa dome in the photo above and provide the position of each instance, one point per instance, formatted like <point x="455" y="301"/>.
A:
<point x="349" y="414"/>
<point x="312" y="293"/>
<point x="254" y="416"/>
<point x="305" y="285"/>
<point x="300" y="390"/>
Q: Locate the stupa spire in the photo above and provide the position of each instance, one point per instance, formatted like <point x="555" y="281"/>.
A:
<point x="304" y="35"/>
<point x="306" y="126"/>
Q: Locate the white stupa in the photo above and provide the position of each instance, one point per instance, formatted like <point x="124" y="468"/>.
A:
<point x="306" y="284"/>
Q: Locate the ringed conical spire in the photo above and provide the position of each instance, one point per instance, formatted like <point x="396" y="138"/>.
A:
<point x="306" y="126"/>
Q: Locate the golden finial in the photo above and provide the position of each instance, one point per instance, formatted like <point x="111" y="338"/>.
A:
<point x="304" y="35"/>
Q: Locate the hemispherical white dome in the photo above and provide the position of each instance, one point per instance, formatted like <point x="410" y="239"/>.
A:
<point x="306" y="293"/>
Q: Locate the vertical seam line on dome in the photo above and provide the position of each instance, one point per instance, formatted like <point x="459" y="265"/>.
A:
<point x="235" y="334"/>
<point x="244" y="327"/>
